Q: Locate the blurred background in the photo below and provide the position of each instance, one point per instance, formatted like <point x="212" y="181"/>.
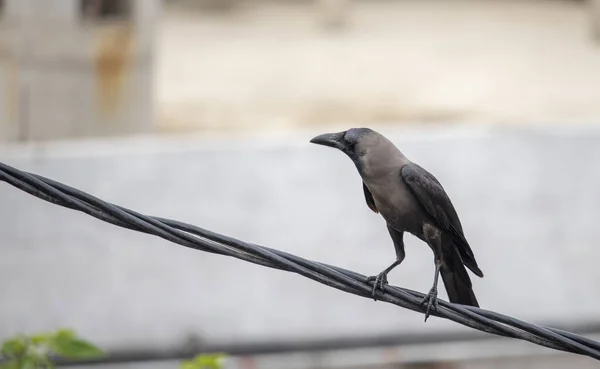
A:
<point x="201" y="111"/>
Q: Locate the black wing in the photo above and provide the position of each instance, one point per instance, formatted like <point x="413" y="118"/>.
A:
<point x="431" y="195"/>
<point x="369" y="198"/>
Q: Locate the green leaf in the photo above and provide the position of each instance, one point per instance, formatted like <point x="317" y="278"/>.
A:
<point x="65" y="334"/>
<point x="74" y="348"/>
<point x="29" y="362"/>
<point x="205" y="361"/>
<point x="44" y="338"/>
<point x="13" y="348"/>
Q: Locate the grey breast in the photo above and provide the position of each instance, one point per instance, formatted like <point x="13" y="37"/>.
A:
<point x="396" y="204"/>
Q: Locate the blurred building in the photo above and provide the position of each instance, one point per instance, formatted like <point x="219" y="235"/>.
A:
<point x="595" y="17"/>
<point x="76" y="68"/>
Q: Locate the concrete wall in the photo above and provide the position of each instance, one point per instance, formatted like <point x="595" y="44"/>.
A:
<point x="528" y="200"/>
<point x="65" y="76"/>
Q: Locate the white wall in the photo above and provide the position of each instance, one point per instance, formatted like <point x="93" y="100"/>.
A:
<point x="528" y="201"/>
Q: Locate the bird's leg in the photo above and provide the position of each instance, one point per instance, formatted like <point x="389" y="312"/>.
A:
<point x="431" y="297"/>
<point x="434" y="238"/>
<point x="381" y="278"/>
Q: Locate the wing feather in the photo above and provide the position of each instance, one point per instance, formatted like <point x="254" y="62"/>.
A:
<point x="432" y="196"/>
<point x="369" y="198"/>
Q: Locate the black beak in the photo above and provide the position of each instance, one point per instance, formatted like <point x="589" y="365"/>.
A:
<point x="330" y="139"/>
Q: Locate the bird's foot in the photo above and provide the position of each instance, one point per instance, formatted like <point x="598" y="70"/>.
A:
<point x="431" y="300"/>
<point x="380" y="280"/>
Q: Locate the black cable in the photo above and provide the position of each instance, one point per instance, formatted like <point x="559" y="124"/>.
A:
<point x="345" y="280"/>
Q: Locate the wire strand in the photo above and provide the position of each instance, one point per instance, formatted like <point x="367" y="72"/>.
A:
<point x="348" y="281"/>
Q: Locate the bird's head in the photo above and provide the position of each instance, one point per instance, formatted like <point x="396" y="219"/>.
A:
<point x="353" y="142"/>
<point x="371" y="152"/>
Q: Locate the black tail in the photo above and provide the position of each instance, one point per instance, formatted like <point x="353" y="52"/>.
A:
<point x="456" y="280"/>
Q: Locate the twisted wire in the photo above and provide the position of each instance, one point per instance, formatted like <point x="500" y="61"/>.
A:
<point x="345" y="280"/>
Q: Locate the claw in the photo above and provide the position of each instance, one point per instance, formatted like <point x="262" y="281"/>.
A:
<point x="431" y="300"/>
<point x="380" y="281"/>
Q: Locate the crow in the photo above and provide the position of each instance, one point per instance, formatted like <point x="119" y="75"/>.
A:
<point x="412" y="200"/>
